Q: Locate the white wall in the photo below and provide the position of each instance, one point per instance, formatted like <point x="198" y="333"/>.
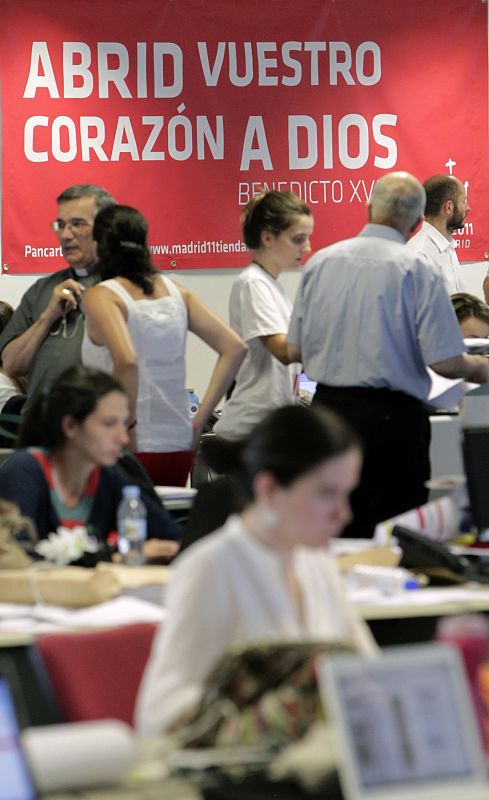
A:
<point x="213" y="287"/>
<point x="474" y="275"/>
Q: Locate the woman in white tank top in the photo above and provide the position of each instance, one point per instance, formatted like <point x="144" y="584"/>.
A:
<point x="136" y="328"/>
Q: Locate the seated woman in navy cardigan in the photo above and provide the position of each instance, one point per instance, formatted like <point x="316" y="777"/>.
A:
<point x="66" y="473"/>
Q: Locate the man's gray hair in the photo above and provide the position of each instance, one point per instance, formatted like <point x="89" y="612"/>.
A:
<point x="398" y="200"/>
<point x="101" y="196"/>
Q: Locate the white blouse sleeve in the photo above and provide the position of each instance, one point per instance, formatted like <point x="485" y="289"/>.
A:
<point x="198" y="630"/>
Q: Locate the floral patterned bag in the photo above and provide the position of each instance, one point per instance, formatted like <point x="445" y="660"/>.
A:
<point x="260" y="695"/>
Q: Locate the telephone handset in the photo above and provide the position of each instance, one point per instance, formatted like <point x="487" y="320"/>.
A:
<point x="436" y="560"/>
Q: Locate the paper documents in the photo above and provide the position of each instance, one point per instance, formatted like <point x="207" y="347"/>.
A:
<point x="44" y="618"/>
<point x="447" y="393"/>
<point x="475" y="345"/>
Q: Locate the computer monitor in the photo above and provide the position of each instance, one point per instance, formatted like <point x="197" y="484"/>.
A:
<point x="475" y="445"/>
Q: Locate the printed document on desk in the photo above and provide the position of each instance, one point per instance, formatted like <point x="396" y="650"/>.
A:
<point x="176" y="498"/>
<point x="372" y="603"/>
<point x="44" y="618"/>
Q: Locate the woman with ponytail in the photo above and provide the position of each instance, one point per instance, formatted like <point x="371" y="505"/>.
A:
<point x="266" y="576"/>
<point x="136" y="327"/>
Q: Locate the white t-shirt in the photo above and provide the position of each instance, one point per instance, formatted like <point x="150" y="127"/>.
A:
<point x="441" y="253"/>
<point x="229" y="590"/>
<point x="258" y="306"/>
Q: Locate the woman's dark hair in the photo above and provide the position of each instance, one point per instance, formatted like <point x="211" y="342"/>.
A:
<point x="76" y="393"/>
<point x="6" y="313"/>
<point x="121" y="233"/>
<point x="270" y="211"/>
<point x="289" y="442"/>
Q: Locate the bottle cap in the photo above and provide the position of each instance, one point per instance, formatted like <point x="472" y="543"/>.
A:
<point x="130" y="492"/>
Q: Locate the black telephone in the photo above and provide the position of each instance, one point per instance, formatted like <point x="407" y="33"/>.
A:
<point x="436" y="560"/>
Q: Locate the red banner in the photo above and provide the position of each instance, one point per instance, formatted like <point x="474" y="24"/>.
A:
<point x="185" y="108"/>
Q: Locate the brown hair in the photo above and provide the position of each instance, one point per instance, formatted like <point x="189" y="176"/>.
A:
<point x="468" y="305"/>
<point x="270" y="211"/>
<point x="75" y="392"/>
<point x="439" y="189"/>
<point x="121" y="233"/>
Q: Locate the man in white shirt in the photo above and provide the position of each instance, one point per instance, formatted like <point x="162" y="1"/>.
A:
<point x="446" y="210"/>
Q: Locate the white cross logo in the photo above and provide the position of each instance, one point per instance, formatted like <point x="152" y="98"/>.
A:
<point x="450" y="164"/>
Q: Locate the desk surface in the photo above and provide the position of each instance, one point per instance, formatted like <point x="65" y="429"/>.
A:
<point x="304" y="770"/>
<point x="169" y="790"/>
<point x="432" y="602"/>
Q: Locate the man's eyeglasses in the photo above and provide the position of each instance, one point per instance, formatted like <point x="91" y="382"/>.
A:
<point x="75" y="225"/>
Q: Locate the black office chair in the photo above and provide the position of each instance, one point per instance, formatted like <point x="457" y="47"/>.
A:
<point x="214" y="502"/>
<point x="201" y="472"/>
<point x="10" y="420"/>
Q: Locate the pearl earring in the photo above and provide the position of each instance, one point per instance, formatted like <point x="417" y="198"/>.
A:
<point x="268" y="517"/>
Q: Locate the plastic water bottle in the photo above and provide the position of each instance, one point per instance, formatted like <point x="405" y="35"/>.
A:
<point x="193" y="403"/>
<point x="131" y="526"/>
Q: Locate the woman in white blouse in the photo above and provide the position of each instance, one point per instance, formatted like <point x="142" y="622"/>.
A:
<point x="266" y="575"/>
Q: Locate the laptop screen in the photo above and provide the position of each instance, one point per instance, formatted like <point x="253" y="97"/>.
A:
<point x="405" y="722"/>
<point x="403" y="726"/>
<point x="15" y="780"/>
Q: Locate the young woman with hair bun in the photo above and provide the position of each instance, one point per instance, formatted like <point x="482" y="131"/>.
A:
<point x="277" y="227"/>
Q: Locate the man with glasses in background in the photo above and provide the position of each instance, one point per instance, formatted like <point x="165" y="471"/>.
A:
<point x="44" y="336"/>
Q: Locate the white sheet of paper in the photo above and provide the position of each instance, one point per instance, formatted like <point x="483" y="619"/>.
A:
<point x="475" y="345"/>
<point x="120" y="611"/>
<point x="447" y="393"/>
